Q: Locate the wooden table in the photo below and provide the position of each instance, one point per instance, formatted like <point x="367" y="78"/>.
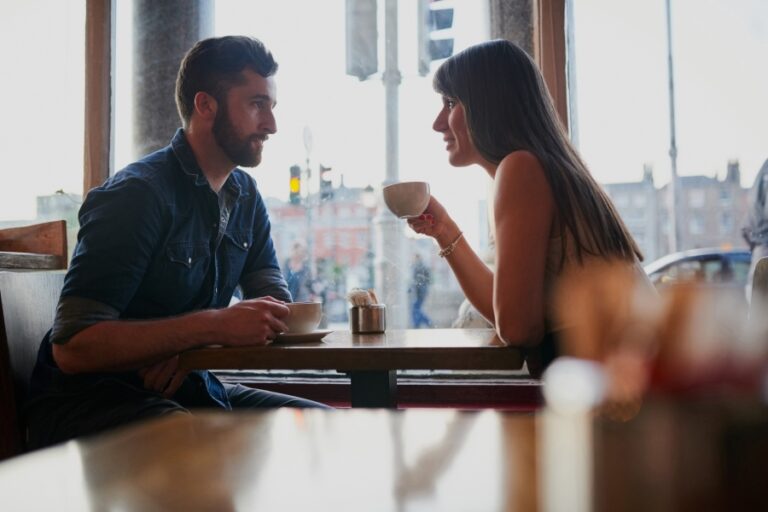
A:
<point x="288" y="460"/>
<point x="372" y="360"/>
<point x="674" y="455"/>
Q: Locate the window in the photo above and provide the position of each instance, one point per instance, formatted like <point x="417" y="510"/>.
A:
<point x="725" y="195"/>
<point x="42" y="129"/>
<point x="355" y="150"/>
<point x="335" y="131"/>
<point x="695" y="225"/>
<point x="696" y="198"/>
<point x="620" y="100"/>
<point x="726" y="222"/>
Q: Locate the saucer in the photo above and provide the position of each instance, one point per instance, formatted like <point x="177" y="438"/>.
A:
<point x="302" y="337"/>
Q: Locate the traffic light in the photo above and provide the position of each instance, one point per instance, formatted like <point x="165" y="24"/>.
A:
<point x="326" y="187"/>
<point x="435" y="32"/>
<point x="295" y="185"/>
<point x="361" y="38"/>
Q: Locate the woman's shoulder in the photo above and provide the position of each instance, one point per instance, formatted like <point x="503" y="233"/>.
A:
<point x="520" y="158"/>
<point x="521" y="171"/>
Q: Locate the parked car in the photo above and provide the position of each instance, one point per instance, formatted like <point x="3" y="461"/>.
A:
<point x="713" y="265"/>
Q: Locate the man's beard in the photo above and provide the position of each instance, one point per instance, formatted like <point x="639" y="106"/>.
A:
<point x="238" y="149"/>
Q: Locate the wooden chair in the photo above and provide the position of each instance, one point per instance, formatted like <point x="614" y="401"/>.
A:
<point x="27" y="308"/>
<point x="37" y="246"/>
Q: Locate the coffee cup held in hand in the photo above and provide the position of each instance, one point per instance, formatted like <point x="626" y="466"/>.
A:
<point x="304" y="317"/>
<point x="407" y="199"/>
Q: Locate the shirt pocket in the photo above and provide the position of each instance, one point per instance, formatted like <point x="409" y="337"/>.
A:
<point x="188" y="254"/>
<point x="180" y="281"/>
<point x="237" y="245"/>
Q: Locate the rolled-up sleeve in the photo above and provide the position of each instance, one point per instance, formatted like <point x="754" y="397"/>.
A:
<point x="73" y="314"/>
<point x="119" y="230"/>
<point x="267" y="281"/>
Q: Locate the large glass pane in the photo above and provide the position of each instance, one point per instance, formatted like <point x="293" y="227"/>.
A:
<point x="621" y="92"/>
<point x="41" y="137"/>
<point x="328" y="119"/>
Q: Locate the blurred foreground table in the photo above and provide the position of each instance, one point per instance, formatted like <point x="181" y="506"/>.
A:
<point x="372" y="360"/>
<point x="353" y="460"/>
<point x="701" y="456"/>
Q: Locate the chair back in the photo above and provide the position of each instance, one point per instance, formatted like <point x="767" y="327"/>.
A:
<point x="759" y="299"/>
<point x="27" y="308"/>
<point x="37" y="246"/>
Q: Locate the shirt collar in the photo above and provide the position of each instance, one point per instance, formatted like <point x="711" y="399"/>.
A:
<point x="191" y="168"/>
<point x="183" y="152"/>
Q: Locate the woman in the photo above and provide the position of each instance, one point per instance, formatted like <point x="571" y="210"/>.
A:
<point x="550" y="216"/>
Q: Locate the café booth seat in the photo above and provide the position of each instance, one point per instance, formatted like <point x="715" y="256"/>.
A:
<point x="27" y="307"/>
<point x="36" y="246"/>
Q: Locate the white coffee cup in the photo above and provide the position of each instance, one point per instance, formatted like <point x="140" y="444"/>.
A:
<point x="304" y="317"/>
<point x="407" y="199"/>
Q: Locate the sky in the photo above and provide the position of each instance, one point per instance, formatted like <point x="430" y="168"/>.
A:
<point x="719" y="49"/>
<point x="720" y="58"/>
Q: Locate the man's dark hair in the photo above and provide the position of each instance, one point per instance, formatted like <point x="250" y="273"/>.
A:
<point x="214" y="65"/>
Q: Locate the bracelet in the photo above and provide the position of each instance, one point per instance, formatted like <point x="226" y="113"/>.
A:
<point x="450" y="247"/>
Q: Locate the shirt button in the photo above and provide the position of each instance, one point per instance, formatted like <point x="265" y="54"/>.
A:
<point x="189" y="260"/>
<point x="245" y="244"/>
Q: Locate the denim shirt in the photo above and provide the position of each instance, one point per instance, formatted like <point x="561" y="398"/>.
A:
<point x="156" y="241"/>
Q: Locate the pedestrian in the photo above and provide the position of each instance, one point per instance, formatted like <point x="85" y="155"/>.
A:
<point x="421" y="278"/>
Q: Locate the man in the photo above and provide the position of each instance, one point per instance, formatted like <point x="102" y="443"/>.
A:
<point x="162" y="246"/>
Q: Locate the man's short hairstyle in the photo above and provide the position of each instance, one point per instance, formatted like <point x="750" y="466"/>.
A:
<point x="214" y="65"/>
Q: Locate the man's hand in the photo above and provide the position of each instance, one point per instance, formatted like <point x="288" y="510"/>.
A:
<point x="163" y="377"/>
<point x="253" y="321"/>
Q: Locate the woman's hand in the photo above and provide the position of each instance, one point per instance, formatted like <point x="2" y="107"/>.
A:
<point x="435" y="222"/>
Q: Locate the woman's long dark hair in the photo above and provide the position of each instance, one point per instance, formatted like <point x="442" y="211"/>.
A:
<point x="508" y="108"/>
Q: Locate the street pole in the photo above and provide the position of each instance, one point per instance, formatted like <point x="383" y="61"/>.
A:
<point x="308" y="205"/>
<point x="673" y="183"/>
<point x="390" y="258"/>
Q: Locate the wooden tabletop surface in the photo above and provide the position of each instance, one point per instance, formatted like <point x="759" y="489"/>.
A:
<point x="673" y="455"/>
<point x="448" y="349"/>
<point x="288" y="460"/>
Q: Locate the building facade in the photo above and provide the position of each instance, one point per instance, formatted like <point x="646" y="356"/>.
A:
<point x="711" y="211"/>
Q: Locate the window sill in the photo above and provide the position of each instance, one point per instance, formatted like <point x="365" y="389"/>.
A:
<point x="509" y="391"/>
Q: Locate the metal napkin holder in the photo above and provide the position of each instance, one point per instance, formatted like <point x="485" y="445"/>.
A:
<point x="368" y="319"/>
